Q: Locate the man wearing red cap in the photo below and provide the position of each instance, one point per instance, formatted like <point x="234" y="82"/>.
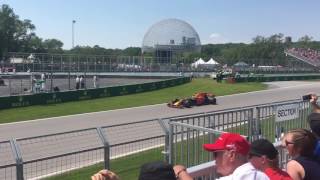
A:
<point x="230" y="152"/>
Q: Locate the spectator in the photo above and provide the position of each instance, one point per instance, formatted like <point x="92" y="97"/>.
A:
<point x="82" y="84"/>
<point x="56" y="89"/>
<point x="105" y="175"/>
<point x="230" y="152"/>
<point x="95" y="81"/>
<point x="314" y="122"/>
<point x="77" y="82"/>
<point x="43" y="82"/>
<point x="150" y="171"/>
<point x="300" y="144"/>
<point x="264" y="157"/>
<point x="313" y="102"/>
<point x="310" y="55"/>
<point x="162" y="171"/>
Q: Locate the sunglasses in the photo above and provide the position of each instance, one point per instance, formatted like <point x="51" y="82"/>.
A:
<point x="216" y="153"/>
<point x="288" y="142"/>
<point x="221" y="152"/>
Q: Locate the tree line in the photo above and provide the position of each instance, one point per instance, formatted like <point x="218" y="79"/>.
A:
<point x="18" y="35"/>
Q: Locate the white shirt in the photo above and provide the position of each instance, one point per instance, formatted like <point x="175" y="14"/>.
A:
<point x="244" y="172"/>
<point x="43" y="76"/>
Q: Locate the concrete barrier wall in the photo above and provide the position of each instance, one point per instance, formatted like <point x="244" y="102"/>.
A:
<point x="65" y="96"/>
<point x="276" y="78"/>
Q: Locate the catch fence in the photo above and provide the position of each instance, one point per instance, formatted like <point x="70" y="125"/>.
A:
<point x="43" y="62"/>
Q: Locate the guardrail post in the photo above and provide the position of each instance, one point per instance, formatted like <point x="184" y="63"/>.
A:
<point x="166" y="151"/>
<point x="170" y="143"/>
<point x="258" y="125"/>
<point x="255" y="125"/>
<point x="106" y="148"/>
<point x="251" y="125"/>
<point x="19" y="162"/>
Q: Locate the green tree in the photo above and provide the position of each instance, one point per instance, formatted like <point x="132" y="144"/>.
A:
<point x="14" y="33"/>
<point x="52" y="45"/>
<point x="132" y="51"/>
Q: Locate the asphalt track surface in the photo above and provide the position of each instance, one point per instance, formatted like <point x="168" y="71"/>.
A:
<point x="278" y="91"/>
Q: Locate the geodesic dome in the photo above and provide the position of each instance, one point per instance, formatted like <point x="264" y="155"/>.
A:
<point x="173" y="34"/>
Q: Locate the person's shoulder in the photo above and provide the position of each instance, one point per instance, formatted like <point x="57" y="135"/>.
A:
<point x="253" y="174"/>
<point x="261" y="176"/>
<point x="277" y="174"/>
<point x="247" y="171"/>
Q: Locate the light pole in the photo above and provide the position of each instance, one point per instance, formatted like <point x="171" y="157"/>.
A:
<point x="73" y="22"/>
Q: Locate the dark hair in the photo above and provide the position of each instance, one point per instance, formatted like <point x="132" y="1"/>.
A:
<point x="314" y="123"/>
<point x="157" y="171"/>
<point x="304" y="140"/>
<point x="262" y="147"/>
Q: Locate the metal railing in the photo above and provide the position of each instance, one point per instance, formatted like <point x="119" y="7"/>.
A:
<point x="55" y="154"/>
<point x="188" y="134"/>
<point x="179" y="138"/>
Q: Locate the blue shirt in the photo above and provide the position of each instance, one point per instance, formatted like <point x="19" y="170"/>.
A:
<point x="317" y="150"/>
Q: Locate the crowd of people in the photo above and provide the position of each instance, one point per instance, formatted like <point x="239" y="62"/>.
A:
<point x="311" y="55"/>
<point x="237" y="159"/>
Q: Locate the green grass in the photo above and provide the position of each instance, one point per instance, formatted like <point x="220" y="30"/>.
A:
<point x="134" y="100"/>
<point x="127" y="168"/>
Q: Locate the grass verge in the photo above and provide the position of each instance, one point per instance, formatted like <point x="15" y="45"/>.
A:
<point x="127" y="168"/>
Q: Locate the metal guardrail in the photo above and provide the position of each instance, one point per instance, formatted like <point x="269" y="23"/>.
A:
<point x="180" y="137"/>
<point x="55" y="154"/>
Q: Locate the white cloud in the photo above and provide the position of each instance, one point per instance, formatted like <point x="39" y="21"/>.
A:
<point x="215" y="38"/>
<point x="215" y="35"/>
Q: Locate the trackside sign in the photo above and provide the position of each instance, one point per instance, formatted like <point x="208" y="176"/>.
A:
<point x="287" y="112"/>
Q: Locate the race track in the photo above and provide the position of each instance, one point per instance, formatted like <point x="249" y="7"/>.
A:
<point x="44" y="147"/>
<point x="283" y="91"/>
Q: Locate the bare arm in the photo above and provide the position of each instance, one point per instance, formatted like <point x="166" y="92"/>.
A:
<point x="105" y="175"/>
<point x="295" y="170"/>
<point x="181" y="173"/>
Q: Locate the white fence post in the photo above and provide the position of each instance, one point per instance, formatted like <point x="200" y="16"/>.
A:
<point x="106" y="148"/>
<point x="19" y="162"/>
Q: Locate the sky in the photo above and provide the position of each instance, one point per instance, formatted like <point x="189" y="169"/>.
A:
<point x="123" y="23"/>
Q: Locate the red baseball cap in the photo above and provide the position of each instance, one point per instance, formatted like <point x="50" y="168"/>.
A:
<point x="229" y="141"/>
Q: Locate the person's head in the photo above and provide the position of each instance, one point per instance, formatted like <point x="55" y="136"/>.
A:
<point x="314" y="123"/>
<point x="230" y="151"/>
<point x="263" y="154"/>
<point x="157" y="171"/>
<point x="299" y="142"/>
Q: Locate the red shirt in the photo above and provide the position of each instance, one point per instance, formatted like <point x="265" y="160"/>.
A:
<point x="277" y="174"/>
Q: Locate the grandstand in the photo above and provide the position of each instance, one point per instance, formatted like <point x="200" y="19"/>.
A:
<point x="308" y="56"/>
